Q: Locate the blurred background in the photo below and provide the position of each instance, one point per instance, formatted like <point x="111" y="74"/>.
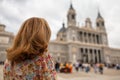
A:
<point x="85" y="41"/>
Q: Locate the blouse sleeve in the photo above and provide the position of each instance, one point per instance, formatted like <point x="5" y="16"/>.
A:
<point x="49" y="72"/>
<point x="7" y="71"/>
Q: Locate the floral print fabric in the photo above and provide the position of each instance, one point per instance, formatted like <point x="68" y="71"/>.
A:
<point x="39" y="68"/>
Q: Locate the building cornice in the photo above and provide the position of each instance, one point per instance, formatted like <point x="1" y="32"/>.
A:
<point x="77" y="43"/>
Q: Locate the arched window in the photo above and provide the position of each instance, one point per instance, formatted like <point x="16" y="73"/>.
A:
<point x="97" y="24"/>
<point x="102" y="23"/>
<point x="73" y="16"/>
<point x="81" y="50"/>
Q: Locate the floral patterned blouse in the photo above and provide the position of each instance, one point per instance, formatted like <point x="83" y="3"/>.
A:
<point x="39" y="68"/>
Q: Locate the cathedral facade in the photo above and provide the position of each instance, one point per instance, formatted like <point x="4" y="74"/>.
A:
<point x="84" y="43"/>
<point x="6" y="39"/>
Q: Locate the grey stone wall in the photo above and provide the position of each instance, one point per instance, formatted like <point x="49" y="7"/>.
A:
<point x="112" y="55"/>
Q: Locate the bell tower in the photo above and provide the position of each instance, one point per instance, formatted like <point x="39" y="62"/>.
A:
<point x="100" y="24"/>
<point x="88" y="23"/>
<point x="71" y="16"/>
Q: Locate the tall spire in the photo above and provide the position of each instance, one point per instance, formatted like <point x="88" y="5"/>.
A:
<point x="99" y="15"/>
<point x="71" y="16"/>
<point x="71" y="6"/>
<point x="100" y="22"/>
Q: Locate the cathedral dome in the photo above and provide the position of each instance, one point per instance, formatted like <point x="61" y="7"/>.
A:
<point x="63" y="29"/>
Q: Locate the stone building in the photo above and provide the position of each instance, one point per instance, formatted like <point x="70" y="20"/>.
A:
<point x="6" y="39"/>
<point x="83" y="43"/>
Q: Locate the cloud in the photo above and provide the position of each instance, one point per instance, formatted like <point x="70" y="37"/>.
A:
<point x="14" y="12"/>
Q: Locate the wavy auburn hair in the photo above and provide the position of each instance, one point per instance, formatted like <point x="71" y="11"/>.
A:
<point x="31" y="40"/>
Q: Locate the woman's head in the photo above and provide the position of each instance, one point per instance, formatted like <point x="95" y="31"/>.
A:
<point x="31" y="40"/>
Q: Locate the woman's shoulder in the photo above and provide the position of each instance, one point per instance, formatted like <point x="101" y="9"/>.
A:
<point x="42" y="64"/>
<point x="46" y="58"/>
<point x="43" y="57"/>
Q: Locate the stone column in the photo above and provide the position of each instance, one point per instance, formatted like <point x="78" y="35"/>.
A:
<point x="89" y="56"/>
<point x="102" y="55"/>
<point x="74" y="54"/>
<point x="83" y="55"/>
<point x="91" y="37"/>
<point x="97" y="56"/>
<point x="95" y="39"/>
<point x="87" y="37"/>
<point x="74" y="58"/>
<point x="70" y="53"/>
<point x="100" y="39"/>
<point x="93" y="56"/>
<point x="80" y="54"/>
<point x="83" y="40"/>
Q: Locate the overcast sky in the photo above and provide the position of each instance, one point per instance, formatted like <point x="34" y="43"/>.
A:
<point x="14" y="12"/>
